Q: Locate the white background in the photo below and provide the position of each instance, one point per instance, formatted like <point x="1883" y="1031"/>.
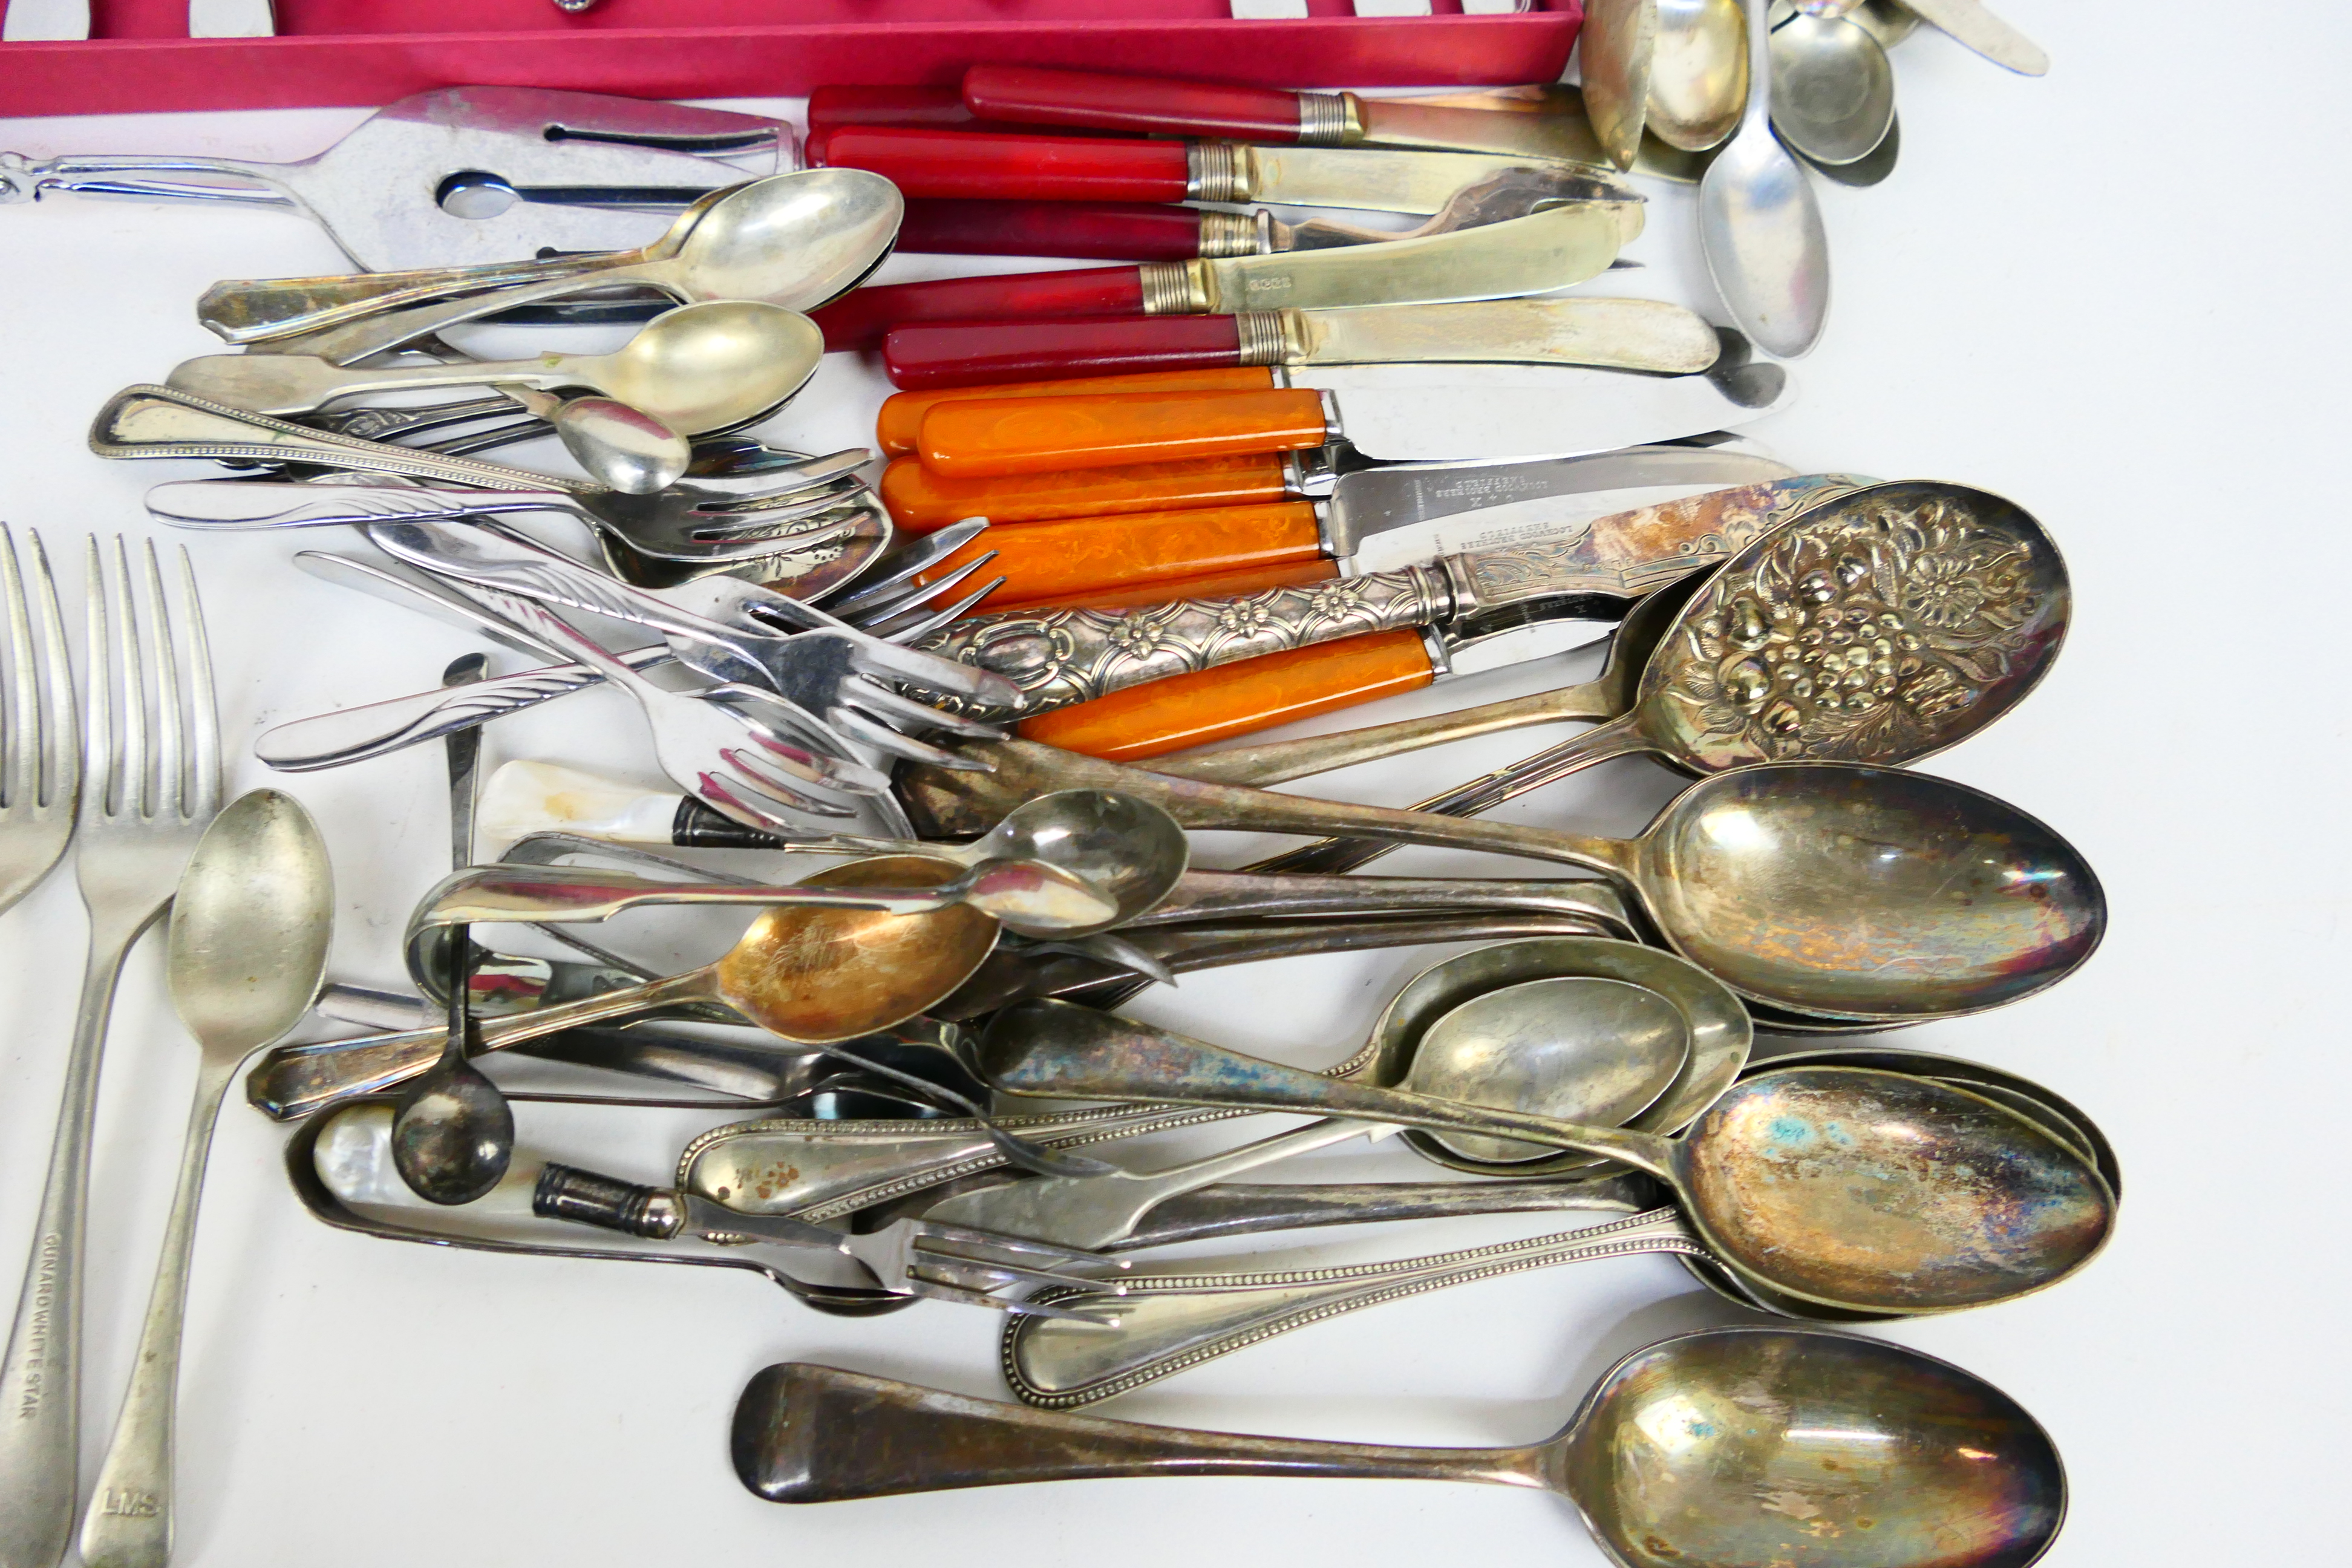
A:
<point x="2112" y="295"/>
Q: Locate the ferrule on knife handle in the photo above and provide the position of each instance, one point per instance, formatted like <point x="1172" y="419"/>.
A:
<point x="919" y="500"/>
<point x="1061" y="657"/>
<point x="1210" y="705"/>
<point x="1032" y="95"/>
<point x="897" y="429"/>
<point x="987" y="437"/>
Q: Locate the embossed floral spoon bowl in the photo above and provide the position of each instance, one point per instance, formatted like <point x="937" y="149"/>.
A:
<point x="1880" y="627"/>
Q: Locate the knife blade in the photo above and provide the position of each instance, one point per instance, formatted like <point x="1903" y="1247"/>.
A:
<point x="1978" y="29"/>
<point x="1533" y="255"/>
<point x="1405" y="413"/>
<point x="1373" y="520"/>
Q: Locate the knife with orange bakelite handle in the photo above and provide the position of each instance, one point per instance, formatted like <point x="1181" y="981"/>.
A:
<point x="1384" y="518"/>
<point x="1059" y="657"/>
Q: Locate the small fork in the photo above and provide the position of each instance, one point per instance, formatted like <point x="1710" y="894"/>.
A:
<point x="145" y="807"/>
<point x="908" y="1256"/>
<point x="40" y="780"/>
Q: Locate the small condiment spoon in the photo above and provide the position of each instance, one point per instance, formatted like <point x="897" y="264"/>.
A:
<point x="1844" y="1188"/>
<point x="1876" y="1456"/>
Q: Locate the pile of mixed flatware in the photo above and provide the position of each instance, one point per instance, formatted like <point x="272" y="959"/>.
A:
<point x="1142" y="520"/>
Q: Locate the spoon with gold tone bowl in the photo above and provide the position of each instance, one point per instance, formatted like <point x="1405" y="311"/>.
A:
<point x="1698" y="73"/>
<point x="1841" y="1187"/>
<point x="1896" y="1460"/>
<point x="815" y="976"/>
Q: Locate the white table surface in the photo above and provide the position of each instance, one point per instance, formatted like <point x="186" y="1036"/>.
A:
<point x="2112" y="295"/>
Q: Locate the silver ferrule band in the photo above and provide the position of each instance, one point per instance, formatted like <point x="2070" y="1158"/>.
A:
<point x="1329" y="120"/>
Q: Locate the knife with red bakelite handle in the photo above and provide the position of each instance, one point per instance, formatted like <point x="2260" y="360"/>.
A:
<point x="1533" y="255"/>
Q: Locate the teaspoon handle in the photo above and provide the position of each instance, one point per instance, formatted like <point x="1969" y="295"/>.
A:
<point x="1256" y="1208"/>
<point x="817" y="1434"/>
<point x="247" y="309"/>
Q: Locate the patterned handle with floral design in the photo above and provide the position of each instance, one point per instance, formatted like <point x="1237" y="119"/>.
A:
<point x="1061" y="657"/>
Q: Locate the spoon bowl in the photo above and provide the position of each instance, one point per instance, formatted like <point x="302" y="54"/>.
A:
<point x="1698" y="73"/>
<point x="836" y="226"/>
<point x="716" y="365"/>
<point x="1833" y="90"/>
<point x="1577" y="1047"/>
<point x="623" y="449"/>
<point x="1761" y="226"/>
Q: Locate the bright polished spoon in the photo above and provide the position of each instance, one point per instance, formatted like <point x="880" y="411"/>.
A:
<point x="1698" y="73"/>
<point x="250" y="926"/>
<point x="813" y="977"/>
<point x="1843" y="1187"/>
<point x="626" y="449"/>
<point x="1882" y="626"/>
<point x="1760" y="223"/>
<point x="1613" y="59"/>
<point x="1833" y="90"/>
<point x="1928" y="900"/>
<point x="1883" y="1457"/>
<point x="1576" y="1047"/>
<point x="795" y="240"/>
<point x="699" y="368"/>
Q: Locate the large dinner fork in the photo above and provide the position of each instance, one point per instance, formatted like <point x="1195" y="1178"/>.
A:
<point x="154" y="784"/>
<point x="40" y="777"/>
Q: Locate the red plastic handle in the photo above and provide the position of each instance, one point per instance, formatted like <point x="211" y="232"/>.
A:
<point x="975" y="353"/>
<point x="1031" y="95"/>
<point x="862" y="319"/>
<point x="831" y="108"/>
<point x="924" y="164"/>
<point x="1108" y="231"/>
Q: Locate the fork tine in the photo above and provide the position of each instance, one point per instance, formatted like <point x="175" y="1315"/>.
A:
<point x="981" y="1242"/>
<point x="890" y="742"/>
<point x="726" y="794"/>
<point x="888" y="706"/>
<point x="905" y="595"/>
<point x="171" y="774"/>
<point x="204" y="705"/>
<point x="98" y="737"/>
<point x="920" y="628"/>
<point x="772" y="788"/>
<point x="908" y="560"/>
<point x="20" y="788"/>
<point x="61" y="721"/>
<point x="132" y="716"/>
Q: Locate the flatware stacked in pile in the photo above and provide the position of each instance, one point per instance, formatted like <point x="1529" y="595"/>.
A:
<point x="1277" y="468"/>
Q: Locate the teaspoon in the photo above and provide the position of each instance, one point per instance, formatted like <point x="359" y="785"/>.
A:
<point x="1833" y="89"/>
<point x="1900" y="1460"/>
<point x="1698" y="73"/>
<point x="1760" y="223"/>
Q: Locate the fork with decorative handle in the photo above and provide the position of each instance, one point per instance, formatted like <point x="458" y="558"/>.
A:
<point x="137" y="831"/>
<point x="907" y="1256"/>
<point x="1167" y="1323"/>
<point x="823" y="670"/>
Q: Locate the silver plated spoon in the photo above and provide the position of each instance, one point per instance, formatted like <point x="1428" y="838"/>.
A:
<point x="1759" y="224"/>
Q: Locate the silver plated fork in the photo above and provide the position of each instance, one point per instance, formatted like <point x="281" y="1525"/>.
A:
<point x="152" y="783"/>
<point x="41" y="779"/>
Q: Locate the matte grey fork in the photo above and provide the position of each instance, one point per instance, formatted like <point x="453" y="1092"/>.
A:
<point x="147" y="805"/>
<point x="40" y="778"/>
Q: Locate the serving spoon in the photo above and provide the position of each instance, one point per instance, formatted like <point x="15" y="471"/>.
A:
<point x="250" y="925"/>
<point x="1846" y="1187"/>
<point x="1882" y="626"/>
<point x="813" y="977"/>
<point x="795" y="240"/>
<point x="1928" y="900"/>
<point x="707" y="367"/>
<point x="1896" y="1459"/>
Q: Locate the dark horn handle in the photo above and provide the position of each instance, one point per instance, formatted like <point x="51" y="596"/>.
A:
<point x="565" y="1192"/>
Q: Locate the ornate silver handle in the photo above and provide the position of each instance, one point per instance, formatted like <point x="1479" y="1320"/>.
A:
<point x="1060" y="657"/>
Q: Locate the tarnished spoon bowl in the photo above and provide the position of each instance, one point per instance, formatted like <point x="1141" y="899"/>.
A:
<point x="1833" y="89"/>
<point x="1698" y="73"/>
<point x="1867" y="892"/>
<point x="1718" y="1027"/>
<point x="1577" y="1047"/>
<point x="1878" y="1455"/>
